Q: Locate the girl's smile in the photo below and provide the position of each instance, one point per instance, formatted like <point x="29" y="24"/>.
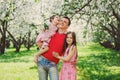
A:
<point x="69" y="39"/>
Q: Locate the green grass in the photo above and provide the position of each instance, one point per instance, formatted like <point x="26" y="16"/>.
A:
<point x="18" y="66"/>
<point x="97" y="63"/>
<point x="94" y="63"/>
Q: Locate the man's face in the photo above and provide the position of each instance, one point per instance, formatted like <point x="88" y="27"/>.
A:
<point x="63" y="24"/>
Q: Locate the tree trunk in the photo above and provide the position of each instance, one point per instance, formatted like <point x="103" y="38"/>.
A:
<point x="17" y="49"/>
<point x="117" y="46"/>
<point x="3" y="39"/>
<point x="28" y="43"/>
<point x="2" y="47"/>
<point x="17" y="43"/>
<point x="117" y="41"/>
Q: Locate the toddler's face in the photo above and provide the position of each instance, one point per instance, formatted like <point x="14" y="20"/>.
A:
<point x="56" y="19"/>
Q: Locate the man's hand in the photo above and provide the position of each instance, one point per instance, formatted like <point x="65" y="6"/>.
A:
<point x="36" y="58"/>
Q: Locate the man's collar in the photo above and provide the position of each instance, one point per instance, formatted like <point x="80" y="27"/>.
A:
<point x="62" y="32"/>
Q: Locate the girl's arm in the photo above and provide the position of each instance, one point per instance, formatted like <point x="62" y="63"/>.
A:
<point x="69" y="56"/>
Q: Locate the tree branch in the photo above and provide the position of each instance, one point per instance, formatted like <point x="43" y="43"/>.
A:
<point x="109" y="31"/>
<point x="1" y="31"/>
<point x="81" y="8"/>
<point x="114" y="29"/>
<point x="1" y="20"/>
<point x="116" y="15"/>
<point x="12" y="37"/>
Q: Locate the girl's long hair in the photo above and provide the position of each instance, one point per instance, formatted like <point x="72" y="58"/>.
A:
<point x="65" y="43"/>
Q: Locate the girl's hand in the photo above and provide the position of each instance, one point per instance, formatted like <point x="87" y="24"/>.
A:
<point x="55" y="54"/>
<point x="43" y="30"/>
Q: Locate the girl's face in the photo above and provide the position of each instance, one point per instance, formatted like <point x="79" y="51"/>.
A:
<point x="56" y="19"/>
<point x="69" y="39"/>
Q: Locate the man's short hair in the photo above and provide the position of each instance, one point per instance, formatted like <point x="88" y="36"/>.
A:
<point x="69" y="21"/>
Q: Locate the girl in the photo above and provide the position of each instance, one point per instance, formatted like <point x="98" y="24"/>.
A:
<point x="68" y="70"/>
<point x="44" y="37"/>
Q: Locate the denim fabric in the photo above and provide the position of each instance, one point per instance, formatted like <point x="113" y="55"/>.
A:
<point x="45" y="68"/>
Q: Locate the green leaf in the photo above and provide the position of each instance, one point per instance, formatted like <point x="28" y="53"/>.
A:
<point x="37" y="0"/>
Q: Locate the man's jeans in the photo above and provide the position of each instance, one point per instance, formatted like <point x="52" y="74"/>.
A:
<point x="45" y="68"/>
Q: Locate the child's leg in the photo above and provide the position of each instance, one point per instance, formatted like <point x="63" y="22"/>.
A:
<point x="39" y="44"/>
<point x="43" y="50"/>
<point x="45" y="43"/>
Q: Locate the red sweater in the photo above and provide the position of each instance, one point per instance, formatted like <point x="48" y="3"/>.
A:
<point x="56" y="44"/>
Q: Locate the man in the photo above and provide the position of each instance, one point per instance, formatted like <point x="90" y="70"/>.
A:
<point x="47" y="63"/>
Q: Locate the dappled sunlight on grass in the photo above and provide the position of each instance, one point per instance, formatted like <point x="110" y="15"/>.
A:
<point x="17" y="71"/>
<point x="23" y="56"/>
<point x="93" y="49"/>
<point x="94" y="63"/>
<point x="115" y="69"/>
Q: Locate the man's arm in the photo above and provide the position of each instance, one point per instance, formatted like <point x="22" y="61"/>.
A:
<point x="40" y="53"/>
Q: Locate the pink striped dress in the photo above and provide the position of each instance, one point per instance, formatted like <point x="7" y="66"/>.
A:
<point x="68" y="70"/>
<point x="45" y="36"/>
